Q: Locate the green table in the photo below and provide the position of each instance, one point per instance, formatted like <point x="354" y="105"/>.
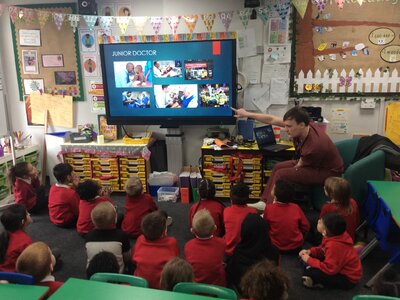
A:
<point x="77" y="289"/>
<point x="22" y="292"/>
<point x="389" y="191"/>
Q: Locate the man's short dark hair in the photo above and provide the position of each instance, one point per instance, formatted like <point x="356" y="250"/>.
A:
<point x="88" y="189"/>
<point x="284" y="191"/>
<point x="334" y="224"/>
<point x="62" y="171"/>
<point x="153" y="225"/>
<point x="298" y="114"/>
<point x="240" y="193"/>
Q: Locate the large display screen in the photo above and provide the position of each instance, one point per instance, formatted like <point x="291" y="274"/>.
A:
<point x="170" y="83"/>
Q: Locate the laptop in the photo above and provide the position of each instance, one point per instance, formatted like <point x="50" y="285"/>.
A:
<point x="265" y="138"/>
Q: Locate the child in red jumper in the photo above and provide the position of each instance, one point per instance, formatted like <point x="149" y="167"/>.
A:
<point x="206" y="253"/>
<point x="38" y="260"/>
<point x="63" y="199"/>
<point x="153" y="248"/>
<point x="335" y="263"/>
<point x="137" y="205"/>
<point x="91" y="194"/>
<point x="208" y="201"/>
<point x="26" y="185"/>
<point x="339" y="191"/>
<point x="13" y="239"/>
<point x="235" y="214"/>
<point x="287" y="222"/>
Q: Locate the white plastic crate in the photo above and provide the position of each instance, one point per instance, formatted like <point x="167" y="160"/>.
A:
<point x="168" y="193"/>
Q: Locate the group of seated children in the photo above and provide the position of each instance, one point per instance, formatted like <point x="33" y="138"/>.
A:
<point x="232" y="246"/>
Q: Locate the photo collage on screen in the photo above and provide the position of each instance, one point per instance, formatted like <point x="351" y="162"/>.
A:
<point x="169" y="84"/>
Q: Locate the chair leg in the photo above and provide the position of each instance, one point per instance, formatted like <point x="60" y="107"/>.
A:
<point x="368" y="248"/>
<point x="372" y="280"/>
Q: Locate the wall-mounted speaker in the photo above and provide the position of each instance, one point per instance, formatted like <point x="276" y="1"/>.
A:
<point x="87" y="7"/>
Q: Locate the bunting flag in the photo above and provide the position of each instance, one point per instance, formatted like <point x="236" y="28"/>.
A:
<point x="244" y="16"/>
<point x="340" y="3"/>
<point x="123" y="23"/>
<point x="139" y="23"/>
<point x="208" y="20"/>
<point x="58" y="19"/>
<point x="29" y="15"/>
<point x="264" y="13"/>
<point x="226" y="18"/>
<point x="156" y="23"/>
<point x="320" y="4"/>
<point x="191" y="22"/>
<point x="301" y="6"/>
<point x="13" y="12"/>
<point x="359" y="2"/>
<point x="173" y="22"/>
<point x="74" y="21"/>
<point x="43" y="16"/>
<point x="90" y="21"/>
<point x="282" y="8"/>
<point x="105" y="24"/>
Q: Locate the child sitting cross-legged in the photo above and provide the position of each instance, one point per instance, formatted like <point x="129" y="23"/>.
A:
<point x="335" y="263"/>
<point x="105" y="237"/>
<point x="287" y="222"/>
<point x="206" y="252"/>
<point x="175" y="270"/>
<point x="153" y="248"/>
<point x="38" y="260"/>
<point x="102" y="262"/>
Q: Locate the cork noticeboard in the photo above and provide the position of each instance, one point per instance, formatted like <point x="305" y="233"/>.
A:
<point x="47" y="59"/>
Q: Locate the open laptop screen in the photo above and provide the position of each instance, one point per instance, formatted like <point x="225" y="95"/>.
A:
<point x="264" y="135"/>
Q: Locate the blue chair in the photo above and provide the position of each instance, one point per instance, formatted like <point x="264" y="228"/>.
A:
<point x="120" y="278"/>
<point x="373" y="297"/>
<point x="18" y="278"/>
<point x="205" y="289"/>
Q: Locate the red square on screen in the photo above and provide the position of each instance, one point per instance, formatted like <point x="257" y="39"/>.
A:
<point x="216" y="48"/>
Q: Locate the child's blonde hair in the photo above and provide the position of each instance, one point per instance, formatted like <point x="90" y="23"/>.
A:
<point x="338" y="189"/>
<point x="175" y="270"/>
<point x="104" y="215"/>
<point x="203" y="223"/>
<point x="133" y="186"/>
<point x="35" y="260"/>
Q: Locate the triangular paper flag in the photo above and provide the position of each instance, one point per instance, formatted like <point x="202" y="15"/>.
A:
<point x="226" y="18"/>
<point x="320" y="4"/>
<point x="208" y="20"/>
<point x="264" y="13"/>
<point x="191" y="22"/>
<point x="244" y="16"/>
<point x="29" y="15"/>
<point x="301" y="6"/>
<point x="74" y="21"/>
<point x="340" y="3"/>
<point x="105" y="24"/>
<point x="90" y="21"/>
<point x="139" y="23"/>
<point x="156" y="23"/>
<point x="360" y="2"/>
<point x="43" y="16"/>
<point x="123" y="23"/>
<point x="282" y="8"/>
<point x="173" y="22"/>
<point x="13" y="12"/>
<point x="58" y="19"/>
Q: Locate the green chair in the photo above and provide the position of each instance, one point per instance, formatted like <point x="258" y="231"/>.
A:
<point x="205" y="289"/>
<point x="120" y="278"/>
<point x="373" y="297"/>
<point x="371" y="167"/>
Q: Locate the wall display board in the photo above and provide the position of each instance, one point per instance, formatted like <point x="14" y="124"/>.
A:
<point x="350" y="51"/>
<point x="47" y="57"/>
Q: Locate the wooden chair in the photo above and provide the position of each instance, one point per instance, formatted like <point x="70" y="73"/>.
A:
<point x="120" y="278"/>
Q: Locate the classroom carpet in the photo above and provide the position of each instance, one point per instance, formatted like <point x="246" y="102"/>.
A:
<point x="73" y="254"/>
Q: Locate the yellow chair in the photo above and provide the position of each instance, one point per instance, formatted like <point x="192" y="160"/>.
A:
<point x="205" y="289"/>
<point x="373" y="297"/>
<point x="120" y="278"/>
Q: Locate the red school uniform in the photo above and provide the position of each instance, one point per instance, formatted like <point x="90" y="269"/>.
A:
<point x="336" y="255"/>
<point x="233" y="218"/>
<point x="287" y="224"/>
<point x="216" y="210"/>
<point x="17" y="242"/>
<point x="206" y="257"/>
<point x="63" y="204"/>
<point x="50" y="282"/>
<point x="151" y="256"/>
<point x="136" y="207"/>
<point x="352" y="219"/>
<point x="24" y="191"/>
<point x="85" y="224"/>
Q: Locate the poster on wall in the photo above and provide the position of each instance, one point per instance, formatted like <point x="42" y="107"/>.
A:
<point x="29" y="62"/>
<point x="278" y="31"/>
<point x="96" y="93"/>
<point x="90" y="65"/>
<point x="87" y="40"/>
<point x="29" y="37"/>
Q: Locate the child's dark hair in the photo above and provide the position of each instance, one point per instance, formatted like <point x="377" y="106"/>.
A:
<point x="264" y="280"/>
<point x="387" y="283"/>
<point x="240" y="193"/>
<point x="283" y="191"/>
<point x="300" y="115"/>
<point x="13" y="218"/>
<point x="19" y="170"/>
<point x="334" y="224"/>
<point x="339" y="189"/>
<point x="207" y="189"/>
<point x="4" y="238"/>
<point x="102" y="262"/>
<point x="88" y="189"/>
<point x="175" y="270"/>
<point x="62" y="171"/>
<point x="153" y="225"/>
